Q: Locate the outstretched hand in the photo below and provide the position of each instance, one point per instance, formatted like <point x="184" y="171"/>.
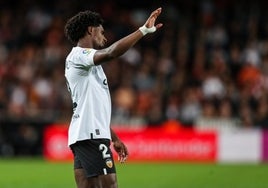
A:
<point x="121" y="150"/>
<point x="151" y="20"/>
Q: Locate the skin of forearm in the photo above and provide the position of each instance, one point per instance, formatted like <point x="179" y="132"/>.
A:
<point x="113" y="135"/>
<point x="121" y="46"/>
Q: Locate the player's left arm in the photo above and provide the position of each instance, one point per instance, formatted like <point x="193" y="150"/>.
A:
<point x="119" y="147"/>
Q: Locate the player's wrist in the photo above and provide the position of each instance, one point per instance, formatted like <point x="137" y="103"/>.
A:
<point x="145" y="30"/>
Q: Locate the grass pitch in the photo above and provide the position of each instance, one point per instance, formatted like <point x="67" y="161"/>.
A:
<point x="37" y="173"/>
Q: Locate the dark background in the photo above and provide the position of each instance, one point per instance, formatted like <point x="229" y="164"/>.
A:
<point x="208" y="61"/>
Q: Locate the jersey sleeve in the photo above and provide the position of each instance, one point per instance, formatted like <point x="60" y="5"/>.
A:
<point x="86" y="57"/>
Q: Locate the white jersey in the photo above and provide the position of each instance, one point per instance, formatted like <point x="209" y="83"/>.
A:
<point x="90" y="95"/>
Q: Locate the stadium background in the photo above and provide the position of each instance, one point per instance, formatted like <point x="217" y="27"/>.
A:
<point x="190" y="101"/>
<point x="205" y="70"/>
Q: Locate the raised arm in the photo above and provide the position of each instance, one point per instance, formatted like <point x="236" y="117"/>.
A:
<point x="121" y="46"/>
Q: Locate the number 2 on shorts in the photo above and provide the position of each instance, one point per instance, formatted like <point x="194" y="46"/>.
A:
<point x="104" y="149"/>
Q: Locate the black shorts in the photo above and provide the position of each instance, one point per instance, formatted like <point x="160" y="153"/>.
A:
<point x="94" y="156"/>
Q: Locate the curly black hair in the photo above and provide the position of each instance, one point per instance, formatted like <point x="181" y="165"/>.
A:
<point x="76" y="26"/>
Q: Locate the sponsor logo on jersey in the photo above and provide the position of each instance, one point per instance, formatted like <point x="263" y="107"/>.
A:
<point x="105" y="82"/>
<point x="109" y="163"/>
<point x="76" y="116"/>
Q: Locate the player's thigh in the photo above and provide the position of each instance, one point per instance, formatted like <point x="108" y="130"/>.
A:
<point x="108" y="181"/>
<point x="84" y="182"/>
<point x="94" y="156"/>
<point x="80" y="178"/>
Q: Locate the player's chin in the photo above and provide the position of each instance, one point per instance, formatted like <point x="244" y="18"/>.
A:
<point x="101" y="44"/>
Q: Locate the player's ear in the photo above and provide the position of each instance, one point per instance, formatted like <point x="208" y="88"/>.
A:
<point x="89" y="30"/>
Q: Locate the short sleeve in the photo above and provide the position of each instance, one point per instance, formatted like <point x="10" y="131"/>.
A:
<point x="86" y="56"/>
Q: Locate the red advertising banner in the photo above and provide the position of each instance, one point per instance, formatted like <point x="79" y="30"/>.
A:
<point x="265" y="145"/>
<point x="56" y="143"/>
<point x="144" y="144"/>
<point x="158" y="144"/>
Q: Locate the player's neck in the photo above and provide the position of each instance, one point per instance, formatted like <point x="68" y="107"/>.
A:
<point x="85" y="43"/>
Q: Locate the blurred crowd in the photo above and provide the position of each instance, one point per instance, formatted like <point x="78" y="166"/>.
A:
<point x="208" y="65"/>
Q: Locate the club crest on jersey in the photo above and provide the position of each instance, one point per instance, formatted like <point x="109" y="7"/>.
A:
<point x="86" y="51"/>
<point x="109" y="163"/>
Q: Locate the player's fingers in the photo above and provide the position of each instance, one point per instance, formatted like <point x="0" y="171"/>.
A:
<point x="156" y="12"/>
<point x="159" y="25"/>
<point x="125" y="150"/>
<point x="151" y="20"/>
<point x="122" y="159"/>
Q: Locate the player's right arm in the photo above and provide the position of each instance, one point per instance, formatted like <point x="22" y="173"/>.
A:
<point x="121" y="46"/>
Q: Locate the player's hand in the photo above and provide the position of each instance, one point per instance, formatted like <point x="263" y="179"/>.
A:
<point x="151" y="20"/>
<point x="121" y="150"/>
<point x="149" y="26"/>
